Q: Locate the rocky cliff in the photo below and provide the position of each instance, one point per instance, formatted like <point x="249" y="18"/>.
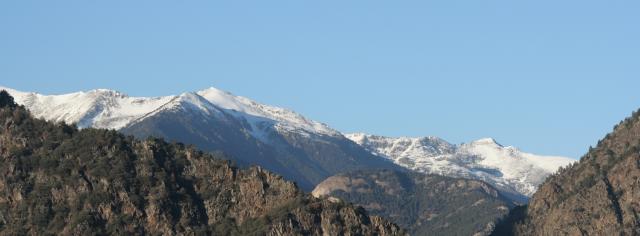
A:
<point x="56" y="179"/>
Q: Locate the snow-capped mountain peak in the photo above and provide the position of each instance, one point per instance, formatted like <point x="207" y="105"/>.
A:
<point x="287" y="120"/>
<point x="227" y="100"/>
<point x="191" y="100"/>
<point x="507" y="168"/>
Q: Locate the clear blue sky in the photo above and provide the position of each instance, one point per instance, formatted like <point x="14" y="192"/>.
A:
<point x="548" y="76"/>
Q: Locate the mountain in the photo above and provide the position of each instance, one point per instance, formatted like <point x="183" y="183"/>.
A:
<point x="599" y="195"/>
<point x="58" y="180"/>
<point x="422" y="204"/>
<point x="282" y="141"/>
<point x="512" y="171"/>
<point x="248" y="132"/>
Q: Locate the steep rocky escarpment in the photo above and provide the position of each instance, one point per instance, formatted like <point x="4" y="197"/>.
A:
<point x="423" y="204"/>
<point x="599" y="195"/>
<point x="56" y="179"/>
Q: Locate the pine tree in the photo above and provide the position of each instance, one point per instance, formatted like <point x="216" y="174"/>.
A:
<point x="6" y="100"/>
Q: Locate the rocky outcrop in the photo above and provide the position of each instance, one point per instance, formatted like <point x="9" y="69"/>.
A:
<point x="423" y="204"/>
<point x="600" y="195"/>
<point x="55" y="179"/>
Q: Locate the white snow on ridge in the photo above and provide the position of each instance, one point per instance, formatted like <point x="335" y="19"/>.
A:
<point x="507" y="168"/>
<point x="403" y="147"/>
<point x="98" y="108"/>
<point x="109" y="109"/>
<point x="285" y="119"/>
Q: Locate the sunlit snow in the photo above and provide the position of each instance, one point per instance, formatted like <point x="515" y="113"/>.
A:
<point x="507" y="168"/>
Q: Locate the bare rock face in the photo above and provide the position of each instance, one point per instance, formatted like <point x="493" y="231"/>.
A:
<point x="600" y="195"/>
<point x="422" y="204"/>
<point x="55" y="179"/>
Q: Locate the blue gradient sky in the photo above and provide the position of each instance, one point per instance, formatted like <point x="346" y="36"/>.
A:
<point x="550" y="77"/>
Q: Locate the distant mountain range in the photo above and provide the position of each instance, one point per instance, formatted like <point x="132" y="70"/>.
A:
<point x="510" y="170"/>
<point x="285" y="142"/>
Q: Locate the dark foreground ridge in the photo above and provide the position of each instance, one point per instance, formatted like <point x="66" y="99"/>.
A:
<point x="56" y="179"/>
<point x="600" y="195"/>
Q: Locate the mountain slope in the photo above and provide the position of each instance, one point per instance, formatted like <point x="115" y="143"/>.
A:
<point x="249" y="133"/>
<point x="58" y="180"/>
<point x="219" y="133"/>
<point x="599" y="195"/>
<point x="507" y="168"/>
<point x="422" y="204"/>
<point x="260" y="115"/>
